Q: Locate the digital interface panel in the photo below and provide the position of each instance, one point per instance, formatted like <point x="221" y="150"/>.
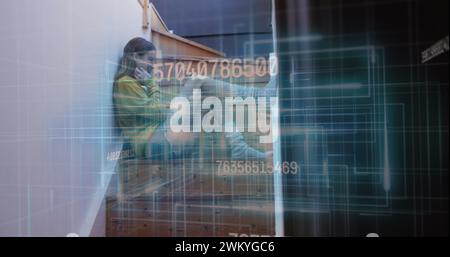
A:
<point x="258" y="118"/>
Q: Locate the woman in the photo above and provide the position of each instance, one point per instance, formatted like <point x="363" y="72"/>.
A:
<point x="141" y="108"/>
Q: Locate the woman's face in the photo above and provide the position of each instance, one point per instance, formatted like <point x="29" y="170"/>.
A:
<point x="145" y="60"/>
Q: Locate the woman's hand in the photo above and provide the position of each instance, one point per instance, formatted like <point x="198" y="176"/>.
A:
<point x="142" y="75"/>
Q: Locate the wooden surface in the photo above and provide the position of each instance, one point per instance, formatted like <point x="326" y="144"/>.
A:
<point x="185" y="200"/>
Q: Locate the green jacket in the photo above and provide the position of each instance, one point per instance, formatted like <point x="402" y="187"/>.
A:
<point x="138" y="112"/>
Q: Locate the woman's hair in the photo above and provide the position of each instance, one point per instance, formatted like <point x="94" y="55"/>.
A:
<point x="127" y="64"/>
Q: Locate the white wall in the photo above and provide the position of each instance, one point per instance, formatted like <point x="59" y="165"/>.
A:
<point x="56" y="66"/>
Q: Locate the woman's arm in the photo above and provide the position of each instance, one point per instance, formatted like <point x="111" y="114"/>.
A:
<point x="132" y="99"/>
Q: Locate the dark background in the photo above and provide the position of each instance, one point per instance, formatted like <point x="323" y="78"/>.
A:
<point x="403" y="29"/>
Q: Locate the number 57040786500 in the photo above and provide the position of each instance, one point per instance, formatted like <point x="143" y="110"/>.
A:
<point x="216" y="68"/>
